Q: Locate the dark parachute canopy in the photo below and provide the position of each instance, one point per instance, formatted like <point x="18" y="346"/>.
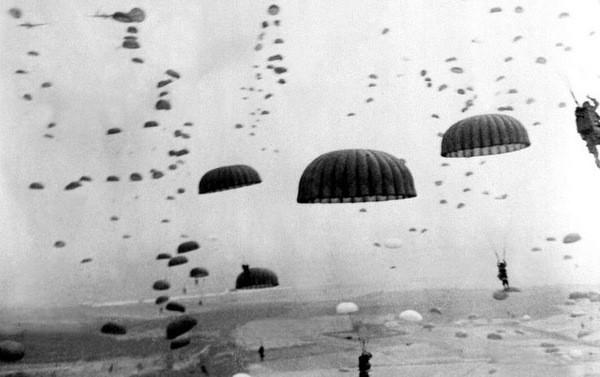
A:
<point x="198" y="272"/>
<point x="175" y="307"/>
<point x="163" y="256"/>
<point x="11" y="351"/>
<point x="355" y="175"/>
<point x="161" y="300"/>
<point x="179" y="343"/>
<point x="113" y="328"/>
<point x="227" y="178"/>
<point x="187" y="246"/>
<point x="483" y="135"/>
<point x="178" y="260"/>
<point x="161" y="285"/>
<point x="86" y="260"/>
<point x="252" y="278"/>
<point x="180" y="326"/>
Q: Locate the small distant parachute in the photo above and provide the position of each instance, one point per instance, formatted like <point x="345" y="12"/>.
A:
<point x="466" y="189"/>
<point x="177" y="261"/>
<point x="36" y="186"/>
<point x="563" y="15"/>
<point x="443" y="201"/>
<point x="131" y="44"/>
<point x="132" y="29"/>
<point x="72" y="186"/>
<point x="161" y="300"/>
<point x="179" y="343"/>
<point x="198" y="272"/>
<point x="550" y="239"/>
<point x="15" y="12"/>
<point x="495" y="10"/>
<point x="227" y="178"/>
<point x="187" y="246"/>
<point x="162" y="256"/>
<point x="150" y="124"/>
<point x="519" y="10"/>
<point x="175" y="307"/>
<point x="161" y="285"/>
<point x="377" y="244"/>
<point x="46" y="84"/>
<point x="273" y="10"/>
<point x="483" y="135"/>
<point x="385" y="31"/>
<point x="456" y="70"/>
<point x="355" y="175"/>
<point x="134" y="15"/>
<point x="439" y="183"/>
<point x="460" y="205"/>
<point x="567" y="257"/>
<point x="86" y="260"/>
<point x="346" y="308"/>
<point x="11" y="351"/>
<point x="112" y="178"/>
<point x="157" y="174"/>
<point x="571" y="238"/>
<point x="113" y="328"/>
<point x="180" y="326"/>
<point x="501" y="197"/>
<point x="469" y="173"/>
<point x="411" y="316"/>
<point x="423" y="230"/>
<point x="163" y="104"/>
<point x="137" y="60"/>
<point x="392" y="243"/>
<point x="113" y="131"/>
<point x="540" y="60"/>
<point x="536" y="249"/>
<point x="253" y="278"/>
<point x="59" y="244"/>
<point x="135" y="177"/>
<point x="85" y="178"/>
<point x="162" y="83"/>
<point x="172" y="73"/>
<point x="412" y="230"/>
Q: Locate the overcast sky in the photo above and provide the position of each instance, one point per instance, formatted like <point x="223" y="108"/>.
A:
<point x="330" y="48"/>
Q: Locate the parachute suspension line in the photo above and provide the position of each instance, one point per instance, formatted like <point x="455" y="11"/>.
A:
<point x="568" y="85"/>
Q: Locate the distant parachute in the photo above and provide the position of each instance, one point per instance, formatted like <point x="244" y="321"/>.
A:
<point x="112" y="178"/>
<point x="150" y="124"/>
<point x="355" y="175"/>
<point x="483" y="135"/>
<point x="113" y="131"/>
<point x="163" y="104"/>
<point x="392" y="243"/>
<point x="113" y="328"/>
<point x="131" y="44"/>
<point x="11" y="351"/>
<point x="273" y="10"/>
<point x="36" y="186"/>
<point x="179" y="343"/>
<point x="456" y="70"/>
<point x="535" y="249"/>
<point x="571" y="238"/>
<point x="72" y="186"/>
<point x="346" y="308"/>
<point x="411" y="316"/>
<point x="253" y="278"/>
<point x="227" y="178"/>
<point x="86" y="260"/>
<point x="180" y="326"/>
<point x="59" y="244"/>
<point x="134" y="15"/>
<point x="161" y="285"/>
<point x="135" y="177"/>
<point x="163" y="256"/>
<point x="172" y="73"/>
<point x="177" y="261"/>
<point x="15" y="12"/>
<point x="187" y="246"/>
<point x="495" y="10"/>
<point x="161" y="300"/>
<point x="550" y="239"/>
<point x="175" y="307"/>
<point x="198" y="272"/>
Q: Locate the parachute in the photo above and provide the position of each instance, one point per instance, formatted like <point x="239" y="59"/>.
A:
<point x="161" y="285"/>
<point x="483" y="135"/>
<point x="175" y="307"/>
<point x="59" y="244"/>
<point x="113" y="328"/>
<point x="228" y="177"/>
<point x="346" y="308"/>
<point x="112" y="178"/>
<point x="163" y="256"/>
<point x="355" y="175"/>
<point x="72" y="186"/>
<point x="179" y="343"/>
<point x="178" y="260"/>
<point x="392" y="243"/>
<point x="411" y="316"/>
<point x="161" y="300"/>
<point x="86" y="260"/>
<point x="273" y="10"/>
<point x="254" y="278"/>
<point x="571" y="238"/>
<point x="11" y="351"/>
<point x="134" y="15"/>
<point x="135" y="177"/>
<point x="198" y="272"/>
<point x="180" y="326"/>
<point x="15" y="12"/>
<point x="36" y="186"/>
<point x="187" y="246"/>
<point x="130" y="44"/>
<point x="172" y="73"/>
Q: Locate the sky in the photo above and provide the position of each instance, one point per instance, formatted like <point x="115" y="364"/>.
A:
<point x="329" y="50"/>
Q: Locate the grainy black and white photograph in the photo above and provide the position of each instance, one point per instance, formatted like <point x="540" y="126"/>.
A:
<point x="299" y="188"/>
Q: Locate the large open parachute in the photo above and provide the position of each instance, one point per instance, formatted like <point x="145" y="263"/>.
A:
<point x="252" y="278"/>
<point x="483" y="135"/>
<point x="355" y="175"/>
<point x="227" y="178"/>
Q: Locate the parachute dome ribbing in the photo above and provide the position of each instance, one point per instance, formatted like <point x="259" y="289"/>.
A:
<point x="411" y="316"/>
<point x="113" y="328"/>
<point x="483" y="135"/>
<point x="355" y="175"/>
<point x="187" y="246"/>
<point x="11" y="351"/>
<point x="228" y="177"/>
<point x="253" y="278"/>
<point x="178" y="260"/>
<point x="198" y="272"/>
<point x="180" y="326"/>
<point x="346" y="308"/>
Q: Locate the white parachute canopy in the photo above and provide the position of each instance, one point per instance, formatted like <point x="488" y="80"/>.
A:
<point x="392" y="243"/>
<point x="411" y="316"/>
<point x="346" y="308"/>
